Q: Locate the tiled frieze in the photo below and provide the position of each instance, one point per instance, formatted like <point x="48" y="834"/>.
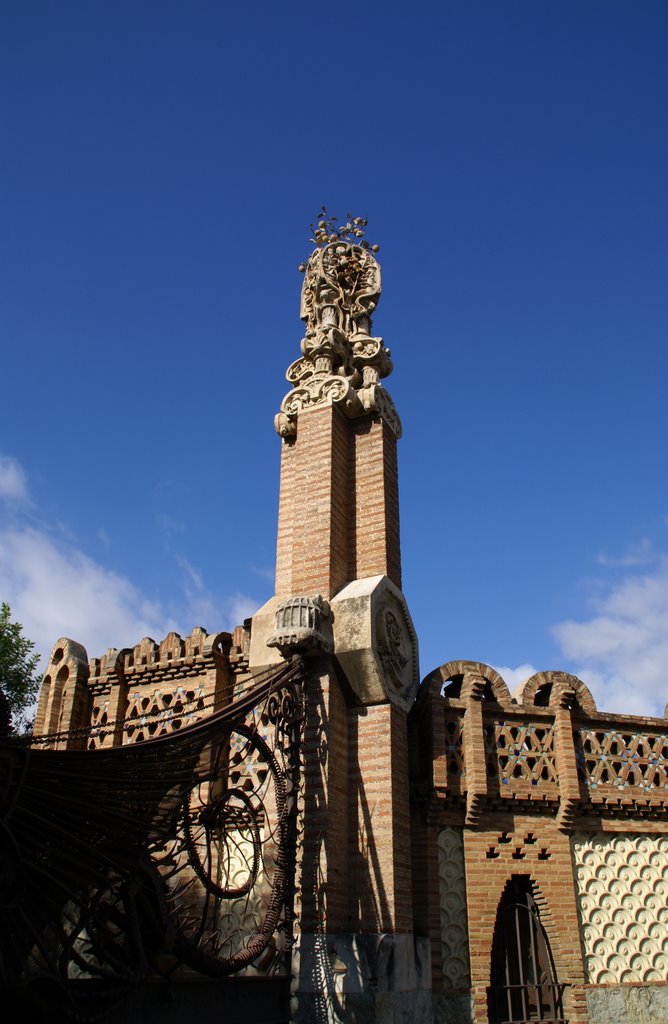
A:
<point x="454" y="928"/>
<point x="622" y="886"/>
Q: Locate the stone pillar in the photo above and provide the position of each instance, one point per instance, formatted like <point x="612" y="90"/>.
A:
<point x="114" y="671"/>
<point x="338" y="555"/>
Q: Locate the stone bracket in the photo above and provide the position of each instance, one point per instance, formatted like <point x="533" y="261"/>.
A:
<point x="301" y="627"/>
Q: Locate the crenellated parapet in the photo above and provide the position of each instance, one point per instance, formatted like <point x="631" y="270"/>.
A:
<point x="342" y="363"/>
<point x="546" y="749"/>
<point x="134" y="693"/>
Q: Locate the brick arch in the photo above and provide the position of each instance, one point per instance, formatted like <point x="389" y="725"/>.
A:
<point x="471" y="672"/>
<point x="547" y="920"/>
<point x="65" y="682"/>
<point x="555" y="947"/>
<point x="558" y="683"/>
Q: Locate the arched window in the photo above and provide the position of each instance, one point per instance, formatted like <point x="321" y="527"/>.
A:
<point x="524" y="983"/>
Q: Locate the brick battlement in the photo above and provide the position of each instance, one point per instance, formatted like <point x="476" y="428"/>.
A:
<point x="90" y="702"/>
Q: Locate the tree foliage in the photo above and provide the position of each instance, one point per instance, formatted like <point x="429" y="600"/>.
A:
<point x="19" y="680"/>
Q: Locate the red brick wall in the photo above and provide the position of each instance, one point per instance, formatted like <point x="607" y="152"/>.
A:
<point x="339" y="505"/>
<point x="380" y="836"/>
<point x="312" y="549"/>
<point x="486" y="878"/>
<point x="324" y="881"/>
<point x="375" y="525"/>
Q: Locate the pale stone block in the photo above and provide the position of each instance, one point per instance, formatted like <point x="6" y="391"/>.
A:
<point x="375" y="642"/>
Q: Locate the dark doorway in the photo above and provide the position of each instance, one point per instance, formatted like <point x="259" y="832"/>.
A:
<point x="524" y="983"/>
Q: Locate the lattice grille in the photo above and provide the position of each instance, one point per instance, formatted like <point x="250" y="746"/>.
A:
<point x="454" y="749"/>
<point x="150" y="715"/>
<point x="520" y="751"/>
<point x="100" y="718"/>
<point x="608" y="757"/>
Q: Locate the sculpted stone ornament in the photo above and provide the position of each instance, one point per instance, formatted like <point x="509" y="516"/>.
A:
<point x="300" y="626"/>
<point x="375" y="642"/>
<point x="341" y="362"/>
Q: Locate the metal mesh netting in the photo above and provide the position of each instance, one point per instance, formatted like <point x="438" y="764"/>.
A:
<point x="152" y="859"/>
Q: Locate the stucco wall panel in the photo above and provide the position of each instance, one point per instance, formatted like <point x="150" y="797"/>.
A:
<point x="452" y="890"/>
<point x="622" y="883"/>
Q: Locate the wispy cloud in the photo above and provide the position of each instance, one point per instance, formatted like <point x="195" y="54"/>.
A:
<point x="56" y="589"/>
<point x="240" y="607"/>
<point x="266" y="572"/>
<point x="13" y="486"/>
<point x="621" y="650"/>
<point x="227" y="612"/>
<point x="641" y="553"/>
<point x="168" y="526"/>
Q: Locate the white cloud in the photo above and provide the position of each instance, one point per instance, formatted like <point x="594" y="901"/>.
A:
<point x="514" y="676"/>
<point x="240" y="607"/>
<point x="192" y="574"/>
<point x="168" y="526"/>
<point x="55" y="589"/>
<point x="204" y="607"/>
<point x="621" y="652"/>
<point x="13" y="487"/>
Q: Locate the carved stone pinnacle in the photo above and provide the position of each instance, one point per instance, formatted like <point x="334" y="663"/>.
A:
<point x="341" y="362"/>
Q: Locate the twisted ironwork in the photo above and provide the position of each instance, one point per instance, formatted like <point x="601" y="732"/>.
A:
<point x="153" y="859"/>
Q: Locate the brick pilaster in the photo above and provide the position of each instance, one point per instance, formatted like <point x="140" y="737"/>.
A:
<point x="325" y="881"/>
<point x="564" y="750"/>
<point x="313" y="549"/>
<point x="474" y="745"/>
<point x="339" y="504"/>
<point x="380" y="882"/>
<point x="375" y="523"/>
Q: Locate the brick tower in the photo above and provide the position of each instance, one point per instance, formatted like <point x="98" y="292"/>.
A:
<point x="338" y="600"/>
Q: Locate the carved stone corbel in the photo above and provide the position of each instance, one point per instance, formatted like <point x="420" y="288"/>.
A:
<point x="301" y="627"/>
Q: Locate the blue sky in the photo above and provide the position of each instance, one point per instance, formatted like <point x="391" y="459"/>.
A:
<point x="160" y="164"/>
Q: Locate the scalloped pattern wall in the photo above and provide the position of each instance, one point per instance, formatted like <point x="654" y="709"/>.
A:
<point x="622" y="885"/>
<point x="454" y="926"/>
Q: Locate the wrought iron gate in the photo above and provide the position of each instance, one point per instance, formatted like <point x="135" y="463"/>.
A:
<point x="524" y="985"/>
<point x="152" y="860"/>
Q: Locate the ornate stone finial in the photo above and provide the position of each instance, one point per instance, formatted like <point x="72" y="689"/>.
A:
<point x="329" y="230"/>
<point x="341" y="362"/>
